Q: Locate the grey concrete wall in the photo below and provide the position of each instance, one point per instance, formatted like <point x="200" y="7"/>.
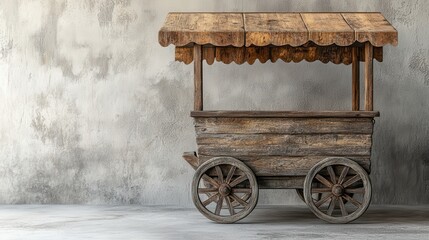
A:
<point x="93" y="110"/>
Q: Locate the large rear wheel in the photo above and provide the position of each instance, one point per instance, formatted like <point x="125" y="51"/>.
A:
<point x="345" y="190"/>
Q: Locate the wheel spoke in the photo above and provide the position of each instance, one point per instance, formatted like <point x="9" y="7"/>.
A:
<point x="342" y="207"/>
<point x="239" y="200"/>
<point x="323" y="200"/>
<point x="210" y="199"/>
<point x="207" y="190"/>
<point x="230" y="174"/>
<point x="332" y="174"/>
<point x="352" y="180"/>
<point x="210" y="180"/>
<point x="343" y="175"/>
<point x="331" y="206"/>
<point x="241" y="190"/>
<point x="352" y="200"/>
<point x="230" y="207"/>
<point x="324" y="180"/>
<point x="219" y="174"/>
<point x="355" y="190"/>
<point x="219" y="205"/>
<point x="320" y="190"/>
<point x="238" y="180"/>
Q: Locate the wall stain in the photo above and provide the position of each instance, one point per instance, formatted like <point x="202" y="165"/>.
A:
<point x="102" y="63"/>
<point x="6" y="49"/>
<point x="401" y="11"/>
<point x="126" y="18"/>
<point x="45" y="41"/>
<point x="105" y="14"/>
<point x="419" y="62"/>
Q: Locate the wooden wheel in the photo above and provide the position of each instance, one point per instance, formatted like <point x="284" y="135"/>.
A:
<point x="345" y="190"/>
<point x="244" y="197"/>
<point x="230" y="181"/>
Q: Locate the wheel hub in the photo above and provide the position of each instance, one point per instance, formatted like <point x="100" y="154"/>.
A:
<point x="337" y="190"/>
<point x="224" y="190"/>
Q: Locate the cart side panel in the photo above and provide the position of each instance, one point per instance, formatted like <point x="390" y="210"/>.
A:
<point x="284" y="146"/>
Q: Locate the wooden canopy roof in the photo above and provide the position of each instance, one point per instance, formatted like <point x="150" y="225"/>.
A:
<point x="276" y="29"/>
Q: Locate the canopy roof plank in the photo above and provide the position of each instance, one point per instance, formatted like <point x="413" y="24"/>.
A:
<point x="278" y="29"/>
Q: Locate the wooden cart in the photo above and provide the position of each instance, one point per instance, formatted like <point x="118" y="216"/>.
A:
<point x="325" y="155"/>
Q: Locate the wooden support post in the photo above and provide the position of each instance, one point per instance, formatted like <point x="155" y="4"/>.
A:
<point x="369" y="76"/>
<point x="198" y="78"/>
<point x="355" y="80"/>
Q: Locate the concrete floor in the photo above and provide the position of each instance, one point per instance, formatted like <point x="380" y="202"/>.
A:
<point x="138" y="222"/>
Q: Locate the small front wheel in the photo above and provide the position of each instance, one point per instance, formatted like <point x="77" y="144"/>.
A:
<point x="345" y="190"/>
<point x="230" y="183"/>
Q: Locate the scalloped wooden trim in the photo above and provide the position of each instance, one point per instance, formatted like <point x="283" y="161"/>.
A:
<point x="311" y="53"/>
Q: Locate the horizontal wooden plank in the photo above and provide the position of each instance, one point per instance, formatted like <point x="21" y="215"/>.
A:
<point x="328" y="28"/>
<point x="277" y="29"/>
<point x="306" y="140"/>
<point x="220" y="29"/>
<point x="280" y="182"/>
<point x="284" y="145"/>
<point x="283" y="125"/>
<point x="286" y="114"/>
<point x="373" y="28"/>
<point x="282" y="150"/>
<point x="287" y="166"/>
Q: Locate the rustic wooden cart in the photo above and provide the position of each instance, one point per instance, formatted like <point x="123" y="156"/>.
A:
<point x="325" y="155"/>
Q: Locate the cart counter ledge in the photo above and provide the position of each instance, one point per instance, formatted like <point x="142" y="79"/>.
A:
<point x="324" y="155"/>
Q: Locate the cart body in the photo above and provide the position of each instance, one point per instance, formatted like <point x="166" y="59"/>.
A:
<point x="325" y="155"/>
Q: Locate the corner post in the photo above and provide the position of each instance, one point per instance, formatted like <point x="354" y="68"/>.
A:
<point x="198" y="78"/>
<point x="355" y="79"/>
<point x="369" y="55"/>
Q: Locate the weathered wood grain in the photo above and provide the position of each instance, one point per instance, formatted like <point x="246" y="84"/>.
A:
<point x="283" y="125"/>
<point x="192" y="159"/>
<point x="372" y="27"/>
<point x="291" y="182"/>
<point x="209" y="54"/>
<point x="220" y="29"/>
<point x="355" y="80"/>
<point x="286" y="114"/>
<point x="198" y="78"/>
<point x="369" y="74"/>
<point x="277" y="29"/>
<point x="228" y="55"/>
<point x="309" y="53"/>
<point x="307" y="140"/>
<point x="285" y="165"/>
<point x="184" y="54"/>
<point x="328" y="28"/>
<point x="284" y="145"/>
